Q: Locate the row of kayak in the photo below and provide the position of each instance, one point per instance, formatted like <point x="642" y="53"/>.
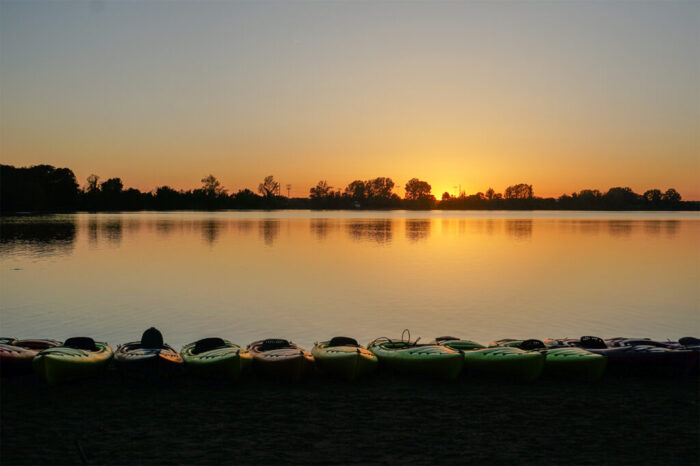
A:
<point x="587" y="358"/>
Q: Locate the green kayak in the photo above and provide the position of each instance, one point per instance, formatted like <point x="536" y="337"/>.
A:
<point x="565" y="362"/>
<point x="504" y="361"/>
<point x="406" y="357"/>
<point x="217" y="358"/>
<point x="343" y="357"/>
<point x="77" y="358"/>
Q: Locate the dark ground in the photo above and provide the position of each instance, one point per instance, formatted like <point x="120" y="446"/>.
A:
<point x="380" y="420"/>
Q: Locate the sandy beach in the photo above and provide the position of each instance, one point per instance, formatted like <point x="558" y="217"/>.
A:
<point x="381" y="420"/>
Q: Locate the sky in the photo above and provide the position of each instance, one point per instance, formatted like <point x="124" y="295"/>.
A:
<point x="563" y="95"/>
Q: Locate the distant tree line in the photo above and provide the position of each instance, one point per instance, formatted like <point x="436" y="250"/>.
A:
<point x="43" y="188"/>
<point x="521" y="197"/>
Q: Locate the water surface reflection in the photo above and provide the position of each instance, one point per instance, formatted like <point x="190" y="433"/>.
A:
<point x="306" y="276"/>
<point x="519" y="229"/>
<point x="378" y="231"/>
<point x="112" y="230"/>
<point x="417" y="230"/>
<point x="210" y="230"/>
<point x="36" y="237"/>
<point x="621" y="227"/>
<point x="269" y="231"/>
<point x="320" y="227"/>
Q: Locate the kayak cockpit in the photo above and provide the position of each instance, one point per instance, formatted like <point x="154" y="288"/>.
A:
<point x="208" y="344"/>
<point x="343" y="341"/>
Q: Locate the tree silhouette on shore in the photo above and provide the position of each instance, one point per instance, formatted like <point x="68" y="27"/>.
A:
<point x="43" y="188"/>
<point x="269" y="187"/>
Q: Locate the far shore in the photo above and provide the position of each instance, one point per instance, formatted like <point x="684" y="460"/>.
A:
<point x="44" y="188"/>
<point x="691" y="206"/>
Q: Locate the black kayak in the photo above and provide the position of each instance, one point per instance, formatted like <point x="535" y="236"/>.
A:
<point x="149" y="358"/>
<point x="640" y="356"/>
<point x="682" y="346"/>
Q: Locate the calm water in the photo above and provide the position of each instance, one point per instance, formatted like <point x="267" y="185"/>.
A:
<point x="310" y="275"/>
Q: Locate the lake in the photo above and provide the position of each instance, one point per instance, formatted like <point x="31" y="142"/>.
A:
<point x="308" y="276"/>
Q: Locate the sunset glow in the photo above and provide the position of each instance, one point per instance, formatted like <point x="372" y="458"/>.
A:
<point x="162" y="93"/>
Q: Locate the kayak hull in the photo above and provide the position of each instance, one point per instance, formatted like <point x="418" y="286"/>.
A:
<point x="134" y="361"/>
<point x="60" y="364"/>
<point x="290" y="363"/>
<point x="293" y="368"/>
<point x="639" y="357"/>
<point x="230" y="362"/>
<point x="574" y="363"/>
<point x="345" y="362"/>
<point x="649" y="361"/>
<point x="566" y="362"/>
<point x="15" y="360"/>
<point x="16" y="356"/>
<point x="432" y="361"/>
<point x="521" y="366"/>
<point x="503" y="362"/>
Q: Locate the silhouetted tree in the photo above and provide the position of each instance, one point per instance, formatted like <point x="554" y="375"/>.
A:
<point x="621" y="198"/>
<point x="519" y="191"/>
<point x="322" y="196"/>
<point x="269" y="187"/>
<point x="109" y="196"/>
<point x="379" y="188"/>
<point x="418" y="195"/>
<point x="133" y="199"/>
<point x="356" y="190"/>
<point x="671" y="195"/>
<point x="417" y="189"/>
<point x="112" y="186"/>
<point x="446" y="196"/>
<point x="586" y="199"/>
<point x="320" y="191"/>
<point x="589" y="194"/>
<point x="37" y="188"/>
<point x="167" y="198"/>
<point x="490" y="193"/>
<point x="92" y="183"/>
<point x="247" y="199"/>
<point x="375" y="193"/>
<point x="653" y="196"/>
<point x="211" y="186"/>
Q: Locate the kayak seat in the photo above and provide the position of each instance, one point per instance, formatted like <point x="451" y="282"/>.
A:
<point x="152" y="338"/>
<point x="208" y="344"/>
<point x="592" y="342"/>
<point x="83" y="343"/>
<point x="532" y="344"/>
<point x="273" y="344"/>
<point x="343" y="341"/>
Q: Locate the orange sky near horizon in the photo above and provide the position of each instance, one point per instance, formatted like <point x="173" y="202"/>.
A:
<point x="472" y="178"/>
<point x="565" y="97"/>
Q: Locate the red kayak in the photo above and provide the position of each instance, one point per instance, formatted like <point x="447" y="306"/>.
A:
<point x="16" y="355"/>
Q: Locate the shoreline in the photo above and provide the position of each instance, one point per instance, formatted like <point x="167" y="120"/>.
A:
<point x="383" y="419"/>
<point x="695" y="207"/>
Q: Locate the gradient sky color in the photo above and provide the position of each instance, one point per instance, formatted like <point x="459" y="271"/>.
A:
<point x="562" y="95"/>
